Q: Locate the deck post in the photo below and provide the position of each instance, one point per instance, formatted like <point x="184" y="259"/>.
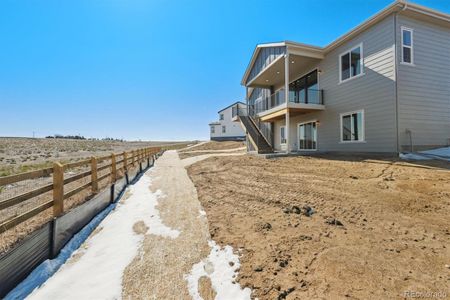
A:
<point x="286" y="99"/>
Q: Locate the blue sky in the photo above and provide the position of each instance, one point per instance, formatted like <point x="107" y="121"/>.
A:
<point x="150" y="70"/>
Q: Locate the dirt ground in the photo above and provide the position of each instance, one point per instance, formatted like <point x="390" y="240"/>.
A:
<point x="214" y="145"/>
<point x="331" y="227"/>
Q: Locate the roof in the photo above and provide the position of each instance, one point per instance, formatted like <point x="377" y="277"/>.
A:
<point x="399" y="5"/>
<point x="240" y="102"/>
<point x="214" y="123"/>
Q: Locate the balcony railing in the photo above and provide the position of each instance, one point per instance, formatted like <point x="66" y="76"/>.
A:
<point x="309" y="96"/>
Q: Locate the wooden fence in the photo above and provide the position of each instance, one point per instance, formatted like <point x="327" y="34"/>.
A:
<point x="119" y="164"/>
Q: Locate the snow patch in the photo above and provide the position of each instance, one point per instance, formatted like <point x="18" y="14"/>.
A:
<point x="99" y="270"/>
<point x="441" y="153"/>
<point x="49" y="267"/>
<point x="221" y="267"/>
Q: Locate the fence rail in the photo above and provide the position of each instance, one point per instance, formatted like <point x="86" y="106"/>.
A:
<point x="62" y="184"/>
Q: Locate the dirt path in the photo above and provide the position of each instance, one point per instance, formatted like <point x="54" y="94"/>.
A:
<point x="154" y="245"/>
<point x="190" y="265"/>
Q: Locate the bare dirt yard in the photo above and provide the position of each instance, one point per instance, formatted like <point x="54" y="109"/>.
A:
<point x="331" y="227"/>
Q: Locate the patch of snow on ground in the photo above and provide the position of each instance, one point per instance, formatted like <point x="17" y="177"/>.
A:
<point x="97" y="274"/>
<point x="221" y="273"/>
<point x="413" y="156"/>
<point x="50" y="266"/>
<point x="442" y="153"/>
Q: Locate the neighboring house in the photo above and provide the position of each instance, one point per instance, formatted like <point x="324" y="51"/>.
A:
<point x="228" y="127"/>
<point x="382" y="87"/>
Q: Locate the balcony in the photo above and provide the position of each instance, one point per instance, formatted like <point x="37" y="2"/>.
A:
<point x="300" y="101"/>
<point x="237" y="111"/>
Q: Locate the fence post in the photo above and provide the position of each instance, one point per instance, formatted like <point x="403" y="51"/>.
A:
<point x="140" y="160"/>
<point x="58" y="189"/>
<point x="125" y="166"/>
<point x="113" y="168"/>
<point x="94" y="177"/>
<point x="125" y="162"/>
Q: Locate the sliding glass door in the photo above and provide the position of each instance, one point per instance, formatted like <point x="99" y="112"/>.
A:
<point x="307" y="135"/>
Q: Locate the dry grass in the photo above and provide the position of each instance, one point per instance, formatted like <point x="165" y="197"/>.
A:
<point x="395" y="234"/>
<point x="19" y="155"/>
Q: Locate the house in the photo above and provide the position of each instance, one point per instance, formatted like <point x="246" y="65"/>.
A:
<point x="382" y="87"/>
<point x="228" y="127"/>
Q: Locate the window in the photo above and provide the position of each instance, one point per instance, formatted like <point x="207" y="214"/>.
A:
<point x="221" y="117"/>
<point x="352" y="126"/>
<point x="283" y="135"/>
<point x="224" y="129"/>
<point x="305" y="89"/>
<point x="350" y="63"/>
<point x="407" y="46"/>
<point x="213" y="129"/>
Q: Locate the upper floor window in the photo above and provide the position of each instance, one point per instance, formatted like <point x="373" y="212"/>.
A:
<point x="352" y="126"/>
<point x="221" y="117"/>
<point x="224" y="129"/>
<point x="407" y="46"/>
<point x="213" y="129"/>
<point x="350" y="63"/>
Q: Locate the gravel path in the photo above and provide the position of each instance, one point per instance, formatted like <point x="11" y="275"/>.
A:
<point x="154" y="245"/>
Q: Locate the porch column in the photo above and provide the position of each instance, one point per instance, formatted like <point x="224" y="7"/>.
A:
<point x="286" y="99"/>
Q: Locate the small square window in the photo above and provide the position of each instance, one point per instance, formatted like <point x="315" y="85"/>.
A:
<point x="350" y="63"/>
<point x="213" y="129"/>
<point x="221" y="117"/>
<point x="224" y="129"/>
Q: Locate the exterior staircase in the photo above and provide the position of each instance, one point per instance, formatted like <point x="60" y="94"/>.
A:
<point x="257" y="138"/>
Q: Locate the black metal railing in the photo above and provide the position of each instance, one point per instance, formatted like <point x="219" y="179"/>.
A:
<point x="306" y="96"/>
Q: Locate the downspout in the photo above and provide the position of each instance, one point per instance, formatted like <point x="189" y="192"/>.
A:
<point x="404" y="3"/>
<point x="396" y="82"/>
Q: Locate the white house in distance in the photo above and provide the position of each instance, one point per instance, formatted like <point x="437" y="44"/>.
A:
<point x="228" y="128"/>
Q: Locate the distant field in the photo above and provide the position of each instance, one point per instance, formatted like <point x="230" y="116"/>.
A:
<point x="26" y="154"/>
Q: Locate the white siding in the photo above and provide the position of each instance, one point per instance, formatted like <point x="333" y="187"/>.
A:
<point x="233" y="129"/>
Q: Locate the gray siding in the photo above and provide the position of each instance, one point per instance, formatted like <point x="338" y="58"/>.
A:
<point x="424" y="89"/>
<point x="374" y="92"/>
<point x="265" y="57"/>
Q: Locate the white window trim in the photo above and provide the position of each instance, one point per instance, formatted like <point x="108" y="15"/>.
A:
<point x="224" y="129"/>
<point x="298" y="136"/>
<point x="221" y="117"/>
<point x="281" y="139"/>
<point x="403" y="28"/>
<point x="363" y="121"/>
<point x="362" y="63"/>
